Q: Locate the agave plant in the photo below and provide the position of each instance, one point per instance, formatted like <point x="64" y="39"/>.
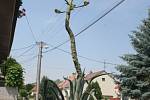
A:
<point x="77" y="92"/>
<point x="77" y="86"/>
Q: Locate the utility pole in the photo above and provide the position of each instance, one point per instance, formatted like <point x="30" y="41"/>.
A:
<point x="40" y="45"/>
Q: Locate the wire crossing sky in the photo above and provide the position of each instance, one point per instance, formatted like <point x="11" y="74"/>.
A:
<point x="90" y="25"/>
<point x="106" y="40"/>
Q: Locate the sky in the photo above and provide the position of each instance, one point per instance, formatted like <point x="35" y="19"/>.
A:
<point x="107" y="40"/>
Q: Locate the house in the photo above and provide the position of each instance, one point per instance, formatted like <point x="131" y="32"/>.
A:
<point x="109" y="85"/>
<point x="33" y="91"/>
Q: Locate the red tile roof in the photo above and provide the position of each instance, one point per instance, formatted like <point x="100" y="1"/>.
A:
<point x="91" y="75"/>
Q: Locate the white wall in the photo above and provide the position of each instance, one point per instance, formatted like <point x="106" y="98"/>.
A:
<point x="8" y="93"/>
<point x="107" y="86"/>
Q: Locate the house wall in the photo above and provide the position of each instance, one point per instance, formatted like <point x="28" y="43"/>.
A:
<point x="66" y="93"/>
<point x="107" y="86"/>
<point x="8" y="93"/>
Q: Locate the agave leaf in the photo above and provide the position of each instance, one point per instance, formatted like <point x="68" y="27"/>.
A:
<point x="82" y="82"/>
<point x="55" y="90"/>
<point x="71" y="88"/>
<point x="76" y="95"/>
<point x="74" y="85"/>
<point x="85" y="96"/>
<point x="54" y="93"/>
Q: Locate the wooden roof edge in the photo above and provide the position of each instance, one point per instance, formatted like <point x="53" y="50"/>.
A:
<point x="18" y="3"/>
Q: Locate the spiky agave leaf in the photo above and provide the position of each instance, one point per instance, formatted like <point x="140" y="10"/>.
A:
<point x="51" y="88"/>
<point x="71" y="88"/>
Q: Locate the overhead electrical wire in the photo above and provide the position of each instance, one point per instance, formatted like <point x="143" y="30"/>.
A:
<point x="22" y="54"/>
<point x="30" y="28"/>
<point x="106" y="13"/>
<point x="90" y="59"/>
<point x="22" y="48"/>
<point x="94" y="22"/>
<point x="30" y="59"/>
<point x="47" y="29"/>
<point x="58" y="24"/>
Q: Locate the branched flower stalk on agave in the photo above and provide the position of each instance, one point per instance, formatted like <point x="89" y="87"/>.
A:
<point x="77" y="91"/>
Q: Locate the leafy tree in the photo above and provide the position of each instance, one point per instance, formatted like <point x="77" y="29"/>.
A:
<point x="95" y="88"/>
<point x="14" y="76"/>
<point x="6" y="64"/>
<point x="23" y="93"/>
<point x="97" y="91"/>
<point x="135" y="75"/>
<point x="29" y="87"/>
<point x="13" y="73"/>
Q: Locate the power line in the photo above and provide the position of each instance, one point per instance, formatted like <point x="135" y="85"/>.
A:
<point x="106" y="13"/>
<point x="47" y="29"/>
<point x="29" y="54"/>
<point x="30" y="28"/>
<point x="90" y="59"/>
<point x="22" y="54"/>
<point x="30" y="59"/>
<point x="61" y="21"/>
<point x="94" y="22"/>
<point x="22" y="48"/>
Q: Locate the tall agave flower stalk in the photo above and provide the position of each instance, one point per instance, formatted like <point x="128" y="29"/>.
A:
<point x="70" y="7"/>
<point x="76" y="86"/>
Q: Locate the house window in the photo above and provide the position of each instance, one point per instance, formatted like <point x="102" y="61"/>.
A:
<point x="103" y="79"/>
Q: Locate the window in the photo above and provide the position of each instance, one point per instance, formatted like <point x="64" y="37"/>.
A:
<point x="103" y="79"/>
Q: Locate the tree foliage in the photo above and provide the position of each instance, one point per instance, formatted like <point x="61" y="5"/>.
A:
<point x="135" y="75"/>
<point x="25" y="92"/>
<point x="13" y="73"/>
<point x="29" y="87"/>
<point x="95" y="88"/>
<point x="6" y="65"/>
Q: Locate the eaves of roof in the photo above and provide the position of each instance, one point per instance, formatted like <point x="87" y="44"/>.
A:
<point x="8" y="18"/>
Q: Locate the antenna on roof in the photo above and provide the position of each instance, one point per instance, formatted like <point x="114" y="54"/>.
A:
<point x="104" y="65"/>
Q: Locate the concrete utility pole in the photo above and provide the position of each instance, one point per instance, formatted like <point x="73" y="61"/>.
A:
<point x="41" y="45"/>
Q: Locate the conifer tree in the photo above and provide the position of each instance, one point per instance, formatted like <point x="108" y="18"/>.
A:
<point x="135" y="75"/>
